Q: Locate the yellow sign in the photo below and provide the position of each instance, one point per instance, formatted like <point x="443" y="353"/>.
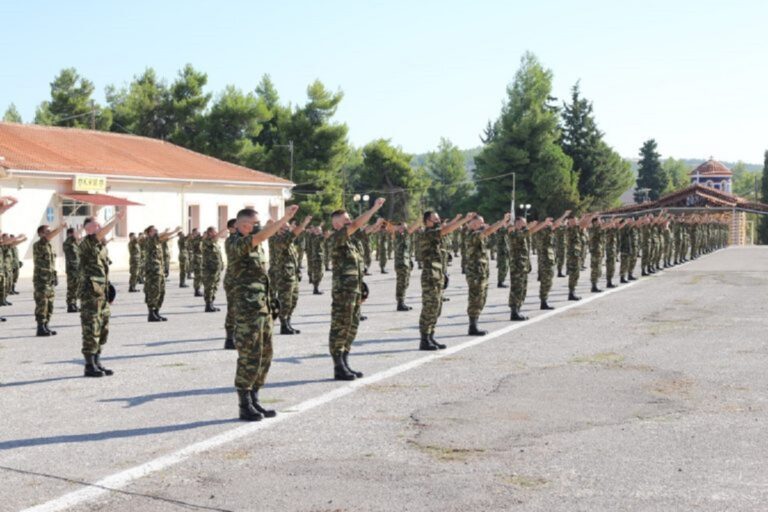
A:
<point x="89" y="183"/>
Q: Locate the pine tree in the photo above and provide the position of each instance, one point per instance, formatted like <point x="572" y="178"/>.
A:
<point x="650" y="174"/>
<point x="447" y="172"/>
<point x="12" y="114"/>
<point x="71" y="104"/>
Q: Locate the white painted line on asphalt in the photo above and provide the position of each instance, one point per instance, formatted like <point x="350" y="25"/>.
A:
<point x="124" y="478"/>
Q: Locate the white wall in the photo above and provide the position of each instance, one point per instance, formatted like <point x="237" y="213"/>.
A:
<point x="165" y="206"/>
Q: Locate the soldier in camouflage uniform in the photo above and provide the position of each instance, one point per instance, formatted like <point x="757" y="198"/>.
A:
<point x="383" y="242"/>
<point x="403" y="262"/>
<point x="315" y="242"/>
<point x="44" y="277"/>
<point x="327" y="249"/>
<point x="16" y="263"/>
<point x="196" y="256"/>
<point x="624" y="235"/>
<point x="478" y="270"/>
<point x="347" y="288"/>
<point x="596" y="242"/>
<point x="560" y="249"/>
<point x="285" y="271"/>
<point x="142" y="243"/>
<point x="9" y="264"/>
<point x="518" y="237"/>
<point x="154" y="272"/>
<point x="545" y="253"/>
<point x="94" y="284"/>
<point x="433" y="274"/>
<point x="212" y="266"/>
<point x="166" y="259"/>
<point x="72" y="266"/>
<point x="574" y="251"/>
<point x="253" y="313"/>
<point x="417" y="246"/>
<point x="134" y="262"/>
<point x="365" y="238"/>
<point x="229" y="285"/>
<point x="502" y="263"/>
<point x="183" y="245"/>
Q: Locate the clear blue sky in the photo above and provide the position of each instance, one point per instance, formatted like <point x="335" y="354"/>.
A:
<point x="691" y="74"/>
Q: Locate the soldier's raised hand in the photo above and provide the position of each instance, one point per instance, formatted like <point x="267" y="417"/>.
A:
<point x="379" y="202"/>
<point x="291" y="211"/>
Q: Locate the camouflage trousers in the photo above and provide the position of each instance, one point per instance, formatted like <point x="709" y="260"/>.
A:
<point x="610" y="266"/>
<point x="229" y="320"/>
<point x="573" y="267"/>
<point x="73" y="286"/>
<point x="502" y="268"/>
<point x="183" y="270"/>
<point x="478" y="293"/>
<point x="154" y="290"/>
<point x="15" y="277"/>
<point x="546" y="274"/>
<point x="253" y="339"/>
<point x="197" y="268"/>
<point x="287" y="292"/>
<point x="559" y="257"/>
<point x="345" y="316"/>
<point x="595" y="267"/>
<point x="431" y="301"/>
<point x="94" y="317"/>
<point x="315" y="272"/>
<point x="645" y="259"/>
<point x="211" y="279"/>
<point x="624" y="265"/>
<point x="518" y="287"/>
<point x="44" y="295"/>
<point x="632" y="263"/>
<point x="403" y="280"/>
<point x="4" y="288"/>
<point x="383" y="260"/>
<point x="133" y="269"/>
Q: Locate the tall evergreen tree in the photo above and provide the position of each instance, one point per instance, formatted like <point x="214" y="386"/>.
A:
<point x="524" y="141"/>
<point x="602" y="174"/>
<point x="650" y="173"/>
<point x="71" y="104"/>
<point x="142" y="108"/>
<point x="12" y="114"/>
<point x="678" y="173"/>
<point x="447" y="172"/>
<point x="763" y="230"/>
<point x="187" y="106"/>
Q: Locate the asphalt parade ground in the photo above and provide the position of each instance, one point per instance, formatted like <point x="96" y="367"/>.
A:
<point x="652" y="396"/>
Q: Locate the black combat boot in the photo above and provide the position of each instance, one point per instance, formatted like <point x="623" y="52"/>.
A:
<point x="345" y="359"/>
<point x="6" y="303"/>
<point x="132" y="289"/>
<point x="515" y="316"/>
<point x="595" y="289"/>
<point x="153" y="316"/>
<point x="50" y="332"/>
<point x="384" y="271"/>
<point x="284" y="327"/>
<point x="291" y="327"/>
<point x="209" y="308"/>
<point x="402" y="306"/>
<point x="183" y="284"/>
<point x="97" y="362"/>
<point x="316" y="291"/>
<point x="13" y="290"/>
<point x="41" y="330"/>
<point x="446" y="299"/>
<point x="197" y="292"/>
<point x="610" y="284"/>
<point x="502" y="285"/>
<point x="267" y="413"/>
<point x="441" y="346"/>
<point x="72" y="308"/>
<point x="247" y="411"/>
<point x="363" y="318"/>
<point x="162" y="318"/>
<point x="631" y="278"/>
<point x="573" y="296"/>
<point x="91" y="368"/>
<point x="560" y="273"/>
<point x="545" y="305"/>
<point x="426" y="343"/>
<point x="340" y="371"/>
<point x="365" y="272"/>
<point x="473" y="330"/>
<point x="229" y="341"/>
<point x="623" y="280"/>
<point x="3" y="319"/>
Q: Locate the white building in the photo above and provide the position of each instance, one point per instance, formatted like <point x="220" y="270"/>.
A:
<point x="66" y="174"/>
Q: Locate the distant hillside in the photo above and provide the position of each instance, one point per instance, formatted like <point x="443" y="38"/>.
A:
<point x="695" y="162"/>
<point x="469" y="159"/>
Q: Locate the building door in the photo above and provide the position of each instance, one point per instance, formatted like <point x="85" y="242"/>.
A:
<point x="193" y="217"/>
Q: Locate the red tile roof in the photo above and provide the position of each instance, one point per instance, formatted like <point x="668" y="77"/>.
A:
<point x="76" y="151"/>
<point x="714" y="197"/>
<point x="711" y="167"/>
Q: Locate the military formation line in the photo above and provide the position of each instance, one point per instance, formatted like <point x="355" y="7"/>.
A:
<point x="261" y="290"/>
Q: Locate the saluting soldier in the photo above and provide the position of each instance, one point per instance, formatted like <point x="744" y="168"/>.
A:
<point x="478" y="271"/>
<point x="574" y="235"/>
<point x="596" y="253"/>
<point x="625" y="248"/>
<point x="285" y="265"/>
<point x="315" y="242"/>
<point x="346" y="297"/>
<point x="229" y="285"/>
<point x="560" y="243"/>
<point x="94" y="294"/>
<point x="72" y="266"/>
<point x="520" y="266"/>
<point x="382" y="250"/>
<point x="213" y="264"/>
<point x="196" y="255"/>
<point x="8" y="266"/>
<point x="16" y="262"/>
<point x="44" y="277"/>
<point x="253" y="314"/>
<point x="546" y="257"/>
<point x="403" y="262"/>
<point x="134" y="262"/>
<point x="183" y="245"/>
<point x="154" y="272"/>
<point x="142" y="243"/>
<point x="611" y="238"/>
<point x="502" y="258"/>
<point x="433" y="274"/>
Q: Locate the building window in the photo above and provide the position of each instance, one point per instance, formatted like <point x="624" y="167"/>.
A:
<point x="70" y="208"/>
<point x="223" y="213"/>
<point x="274" y="212"/>
<point x="710" y="184"/>
<point x="121" y="228"/>
<point x="193" y="217"/>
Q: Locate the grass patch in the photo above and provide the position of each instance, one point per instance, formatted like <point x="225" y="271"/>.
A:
<point x="173" y="365"/>
<point x="446" y="453"/>
<point x="601" y="358"/>
<point x="526" y="481"/>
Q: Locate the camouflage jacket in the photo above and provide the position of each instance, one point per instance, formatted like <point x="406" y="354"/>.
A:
<point x="403" y="250"/>
<point x="94" y="267"/>
<point x="72" y="255"/>
<point x="153" y="262"/>
<point x="519" y="261"/>
<point x="249" y="275"/>
<point x="182" y="243"/>
<point x="44" y="259"/>
<point x="478" y="259"/>
<point x="347" y="262"/>
<point x="212" y="260"/>
<point x="286" y="257"/>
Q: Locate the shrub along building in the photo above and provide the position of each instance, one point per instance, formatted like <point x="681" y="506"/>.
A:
<point x="709" y="192"/>
<point x="67" y="174"/>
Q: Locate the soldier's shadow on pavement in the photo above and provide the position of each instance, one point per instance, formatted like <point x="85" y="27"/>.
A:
<point x="137" y="356"/>
<point x="172" y="342"/>
<point x="109" y="434"/>
<point x="37" y="381"/>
